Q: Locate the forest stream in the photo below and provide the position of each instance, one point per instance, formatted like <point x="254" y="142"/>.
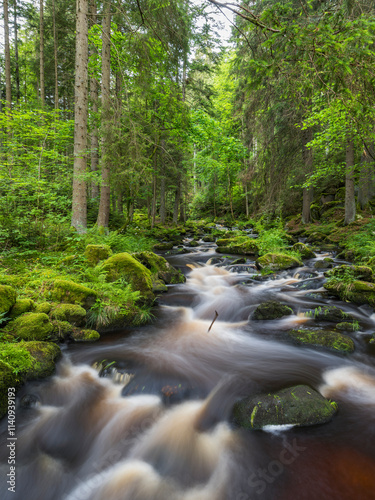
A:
<point x="153" y="421"/>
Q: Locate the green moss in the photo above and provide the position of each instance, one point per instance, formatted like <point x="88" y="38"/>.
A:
<point x="95" y="253"/>
<point x="304" y="251"/>
<point x="239" y="245"/>
<point x="163" y="246"/>
<point x="271" y="310"/>
<point x="7" y="379"/>
<point x="277" y="262"/>
<point x="86" y="335"/>
<point x="45" y="355"/>
<point x="331" y="340"/>
<point x="61" y="330"/>
<point x="43" y="307"/>
<point x="299" y="405"/>
<point x="72" y="313"/>
<point x="20" y="307"/>
<point x="158" y="286"/>
<point x="160" y="268"/>
<point x="8" y="297"/>
<point x="208" y="238"/>
<point x="124" y="266"/>
<point x="30" y="326"/>
<point x="332" y="314"/>
<point x="73" y="293"/>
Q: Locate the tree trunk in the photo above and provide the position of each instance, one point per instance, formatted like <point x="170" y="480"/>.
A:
<point x="366" y="187"/>
<point x="94" y="102"/>
<point x="104" y="205"/>
<point x="162" y="209"/>
<point x="349" y="183"/>
<point x="17" y="66"/>
<point x="8" y="85"/>
<point x="41" y="53"/>
<point x="153" y="205"/>
<point x="177" y="202"/>
<point x="79" y="208"/>
<point x="56" y="97"/>
<point x="308" y="193"/>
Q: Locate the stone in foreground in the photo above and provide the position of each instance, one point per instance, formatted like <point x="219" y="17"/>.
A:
<point x="277" y="262"/>
<point x="271" y="310"/>
<point x="299" y="405"/>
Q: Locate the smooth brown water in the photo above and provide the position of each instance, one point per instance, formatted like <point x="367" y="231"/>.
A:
<point x="166" y="434"/>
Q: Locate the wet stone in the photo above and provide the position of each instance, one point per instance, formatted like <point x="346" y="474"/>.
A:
<point x="271" y="310"/>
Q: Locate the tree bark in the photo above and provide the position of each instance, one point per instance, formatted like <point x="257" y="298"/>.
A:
<point x="8" y="84"/>
<point x="41" y="53"/>
<point x="308" y="193"/>
<point x="366" y="187"/>
<point x="94" y="87"/>
<point x="162" y="209"/>
<point x="104" y="205"/>
<point x="56" y="97"/>
<point x="17" y="66"/>
<point x="177" y="201"/>
<point x="349" y="183"/>
<point x="79" y="208"/>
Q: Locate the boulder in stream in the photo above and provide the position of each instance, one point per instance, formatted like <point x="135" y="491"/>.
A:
<point x="322" y="338"/>
<point x="299" y="405"/>
<point x="277" y="262"/>
<point x="164" y="246"/>
<point x="303" y="250"/>
<point x="239" y="245"/>
<point x="160" y="268"/>
<point x="271" y="310"/>
<point x="359" y="292"/>
<point x="30" y="326"/>
<point x="332" y="314"/>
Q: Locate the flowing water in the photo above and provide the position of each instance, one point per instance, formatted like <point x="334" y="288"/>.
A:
<point x="157" y="424"/>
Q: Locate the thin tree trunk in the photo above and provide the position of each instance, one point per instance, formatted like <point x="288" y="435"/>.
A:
<point x="41" y="53"/>
<point x="79" y="208"/>
<point x="94" y="103"/>
<point x="308" y="193"/>
<point x="8" y="84"/>
<point x="349" y="183"/>
<point x="104" y="205"/>
<point x="366" y="187"/>
<point x="17" y="67"/>
<point x="177" y="201"/>
<point x="56" y="98"/>
<point x="162" y="209"/>
<point x="153" y="205"/>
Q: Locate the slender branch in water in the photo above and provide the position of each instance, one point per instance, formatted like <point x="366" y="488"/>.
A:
<point x="213" y="321"/>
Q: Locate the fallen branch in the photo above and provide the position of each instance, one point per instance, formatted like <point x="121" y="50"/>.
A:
<point x="213" y="321"/>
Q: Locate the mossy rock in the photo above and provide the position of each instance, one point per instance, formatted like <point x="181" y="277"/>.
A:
<point x="271" y="310"/>
<point x="61" y="330"/>
<point x="193" y="244"/>
<point x="20" y="307"/>
<point x="45" y="355"/>
<point x="303" y="250"/>
<point x="277" y="262"/>
<point x="123" y="265"/>
<point x="43" y="307"/>
<point x="30" y="326"/>
<point x="85" y="335"/>
<point x="359" y="292"/>
<point x="7" y="380"/>
<point x="325" y="263"/>
<point x="332" y="314"/>
<point x="95" y="253"/>
<point x="299" y="405"/>
<point x="162" y="247"/>
<point x="238" y="246"/>
<point x="345" y="326"/>
<point x="332" y="340"/>
<point x="8" y="297"/>
<point x="73" y="313"/>
<point x="158" y="286"/>
<point x="345" y="272"/>
<point x="315" y="211"/>
<point x="208" y="238"/>
<point x="73" y="293"/>
<point x="160" y="267"/>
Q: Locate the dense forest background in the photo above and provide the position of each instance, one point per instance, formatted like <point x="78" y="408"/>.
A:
<point x="113" y="112"/>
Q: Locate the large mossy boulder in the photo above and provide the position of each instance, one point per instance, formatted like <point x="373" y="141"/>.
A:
<point x="73" y="293"/>
<point x="321" y="338"/>
<point x="271" y="310"/>
<point x="45" y="355"/>
<point x="73" y="313"/>
<point x="8" y="297"/>
<point x="351" y="273"/>
<point x="332" y="314"/>
<point x="123" y="265"/>
<point x="160" y="268"/>
<point x="303" y="250"/>
<point x="359" y="292"/>
<point x="299" y="405"/>
<point x="43" y="307"/>
<point x="62" y="330"/>
<point x="325" y="263"/>
<point x="164" y="246"/>
<point x="95" y="253"/>
<point x="277" y="262"/>
<point x="238" y="246"/>
<point x="20" y="307"/>
<point x="30" y="326"/>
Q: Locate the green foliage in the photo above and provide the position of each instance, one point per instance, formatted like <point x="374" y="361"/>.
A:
<point x="17" y="357"/>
